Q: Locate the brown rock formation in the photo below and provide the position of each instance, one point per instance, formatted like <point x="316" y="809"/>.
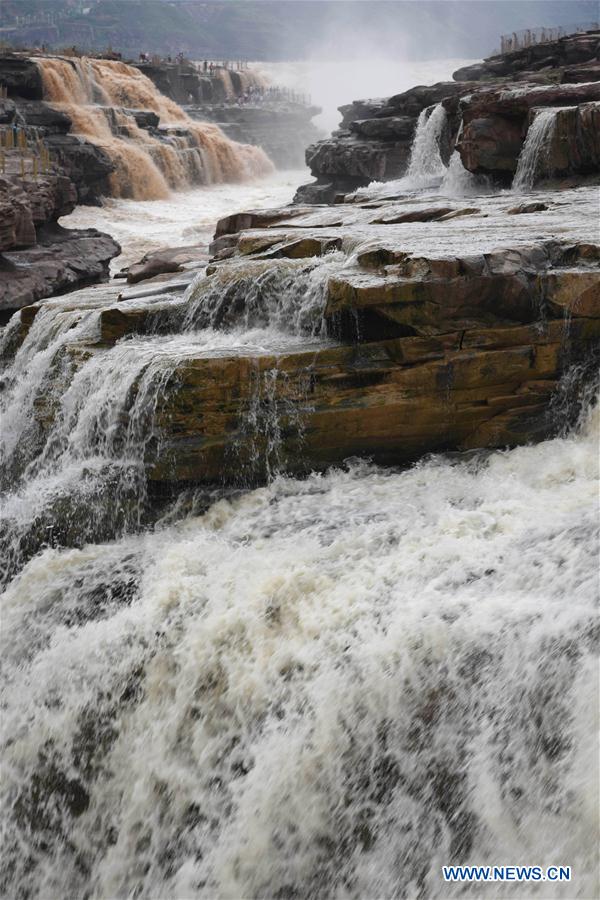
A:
<point x="428" y="349"/>
<point x="493" y="101"/>
<point x="574" y="51"/>
<point x="60" y="260"/>
<point x="37" y="258"/>
<point x="495" y="123"/>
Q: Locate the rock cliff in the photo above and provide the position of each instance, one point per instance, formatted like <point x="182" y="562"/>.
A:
<point x="113" y="133"/>
<point x="489" y="108"/>
<point x="87" y="165"/>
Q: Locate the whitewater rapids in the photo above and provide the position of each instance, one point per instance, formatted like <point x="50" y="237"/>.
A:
<point x="321" y="688"/>
<point x="142" y="226"/>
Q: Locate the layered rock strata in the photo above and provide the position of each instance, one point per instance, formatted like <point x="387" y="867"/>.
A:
<point x="38" y="258"/>
<point x="283" y="130"/>
<point x="496" y="123"/>
<point x="570" y="58"/>
<point x="108" y="127"/>
<point x="489" y="108"/>
<point x="423" y="346"/>
<point x="87" y="165"/>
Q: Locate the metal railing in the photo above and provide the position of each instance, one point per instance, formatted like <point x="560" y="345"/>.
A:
<point x="27" y="149"/>
<point x="528" y="37"/>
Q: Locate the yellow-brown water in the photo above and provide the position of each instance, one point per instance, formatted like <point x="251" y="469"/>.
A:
<point x="93" y="94"/>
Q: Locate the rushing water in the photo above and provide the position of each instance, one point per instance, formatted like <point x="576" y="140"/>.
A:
<point x="181" y="219"/>
<point x="532" y="161"/>
<point x="426" y="170"/>
<point x="426" y="161"/>
<point x="321" y="688"/>
<point x="99" y="95"/>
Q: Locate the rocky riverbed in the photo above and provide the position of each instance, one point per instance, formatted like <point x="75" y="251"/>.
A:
<point x="250" y="649"/>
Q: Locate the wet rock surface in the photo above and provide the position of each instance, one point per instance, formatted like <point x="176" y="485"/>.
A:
<point x="163" y="262"/>
<point x="38" y="258"/>
<point x="87" y="165"/>
<point x="60" y="260"/>
<point x="417" y="343"/>
<point x="489" y="108"/>
<point x="496" y="122"/>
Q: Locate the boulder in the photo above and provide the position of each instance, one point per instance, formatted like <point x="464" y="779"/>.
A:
<point x="527" y="208"/>
<point x="390" y="128"/>
<point x="321" y="191"/>
<point x="164" y="261"/>
<point x="256" y="218"/>
<point x="429" y="214"/>
<point x="60" y="261"/>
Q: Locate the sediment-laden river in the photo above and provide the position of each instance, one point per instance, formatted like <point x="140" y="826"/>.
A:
<point x="321" y="687"/>
<point x="183" y="218"/>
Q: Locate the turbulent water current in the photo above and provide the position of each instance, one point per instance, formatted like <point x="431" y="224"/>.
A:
<point x="319" y="688"/>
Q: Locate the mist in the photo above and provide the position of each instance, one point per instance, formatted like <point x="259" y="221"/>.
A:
<point x="333" y="82"/>
<point x="363" y="50"/>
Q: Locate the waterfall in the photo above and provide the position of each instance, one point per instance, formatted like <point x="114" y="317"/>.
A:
<point x="426" y="161"/>
<point x="78" y="424"/>
<point x="533" y="158"/>
<point x="287" y="296"/>
<point x="459" y="182"/>
<point x="325" y="687"/>
<point x="425" y="167"/>
<point x="97" y="94"/>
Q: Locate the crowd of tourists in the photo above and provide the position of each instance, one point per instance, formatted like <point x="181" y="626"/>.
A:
<point x="257" y="95"/>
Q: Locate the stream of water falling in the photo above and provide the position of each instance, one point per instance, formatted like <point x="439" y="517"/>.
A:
<point x="426" y="169"/>
<point x="532" y="160"/>
<point x="99" y="96"/>
<point x="426" y="161"/>
<point x="323" y="688"/>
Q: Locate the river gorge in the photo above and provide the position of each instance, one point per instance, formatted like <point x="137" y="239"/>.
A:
<point x="299" y="539"/>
